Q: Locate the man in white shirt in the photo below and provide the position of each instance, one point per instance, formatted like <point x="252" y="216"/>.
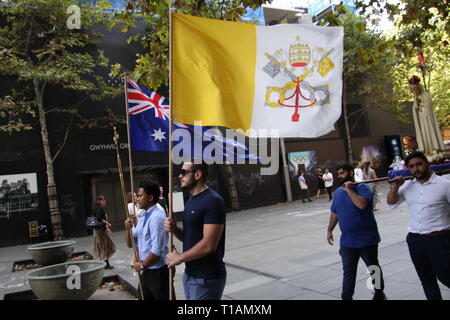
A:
<point x="428" y="199"/>
<point x="359" y="175"/>
<point x="328" y="179"/>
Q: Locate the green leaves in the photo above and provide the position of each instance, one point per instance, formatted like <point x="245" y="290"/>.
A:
<point x="152" y="67"/>
<point x="37" y="48"/>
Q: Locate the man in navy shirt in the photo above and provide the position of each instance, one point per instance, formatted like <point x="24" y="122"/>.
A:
<point x="203" y="236"/>
<point x="352" y="207"/>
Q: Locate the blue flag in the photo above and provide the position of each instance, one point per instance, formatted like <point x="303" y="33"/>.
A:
<point x="149" y="131"/>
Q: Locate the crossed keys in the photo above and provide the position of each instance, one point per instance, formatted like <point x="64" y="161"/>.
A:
<point x="297" y="82"/>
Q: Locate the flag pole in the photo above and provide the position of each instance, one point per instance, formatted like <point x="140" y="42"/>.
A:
<point x="129" y="146"/>
<point x="135" y="251"/>
<point x="170" y="148"/>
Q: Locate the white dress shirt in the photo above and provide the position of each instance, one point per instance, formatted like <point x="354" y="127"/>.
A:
<point x="429" y="204"/>
<point x="359" y="175"/>
<point x="138" y="211"/>
<point x="328" y="176"/>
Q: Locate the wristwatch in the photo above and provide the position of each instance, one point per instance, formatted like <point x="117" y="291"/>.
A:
<point x="142" y="265"/>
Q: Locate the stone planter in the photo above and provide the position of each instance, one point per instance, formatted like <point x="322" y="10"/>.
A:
<point x="75" y="280"/>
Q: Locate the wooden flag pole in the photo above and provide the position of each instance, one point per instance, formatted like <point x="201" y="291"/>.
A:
<point x="170" y="149"/>
<point x="135" y="251"/>
<point x="439" y="173"/>
<point x="122" y="184"/>
<point x="129" y="149"/>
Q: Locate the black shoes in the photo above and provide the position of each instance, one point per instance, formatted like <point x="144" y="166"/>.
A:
<point x="379" y="296"/>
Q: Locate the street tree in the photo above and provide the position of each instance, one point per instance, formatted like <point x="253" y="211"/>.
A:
<point x="369" y="59"/>
<point x="434" y="73"/>
<point x="152" y="66"/>
<point x="44" y="44"/>
<point x="422" y="25"/>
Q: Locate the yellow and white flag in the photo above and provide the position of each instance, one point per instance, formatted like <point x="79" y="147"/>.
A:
<point x="241" y="76"/>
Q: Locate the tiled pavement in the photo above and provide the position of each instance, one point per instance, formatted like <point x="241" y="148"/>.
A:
<point x="278" y="252"/>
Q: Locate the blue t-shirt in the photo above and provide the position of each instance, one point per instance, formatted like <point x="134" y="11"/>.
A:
<point x="206" y="207"/>
<point x="358" y="227"/>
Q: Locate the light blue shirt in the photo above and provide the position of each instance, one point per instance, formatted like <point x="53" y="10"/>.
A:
<point x="150" y="236"/>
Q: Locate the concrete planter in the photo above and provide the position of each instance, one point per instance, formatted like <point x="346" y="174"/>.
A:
<point x="76" y="280"/>
<point x="54" y="252"/>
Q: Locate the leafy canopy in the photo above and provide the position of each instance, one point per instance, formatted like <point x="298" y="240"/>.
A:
<point x="38" y="49"/>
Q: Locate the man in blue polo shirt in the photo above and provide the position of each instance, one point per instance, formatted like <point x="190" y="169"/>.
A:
<point x="151" y="241"/>
<point x="203" y="236"/>
<point x="352" y="208"/>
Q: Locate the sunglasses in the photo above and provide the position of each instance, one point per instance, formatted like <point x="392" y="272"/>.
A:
<point x="184" y="172"/>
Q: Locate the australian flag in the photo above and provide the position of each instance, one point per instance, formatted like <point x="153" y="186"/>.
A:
<point x="149" y="130"/>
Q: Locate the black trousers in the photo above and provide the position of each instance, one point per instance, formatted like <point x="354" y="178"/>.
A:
<point x="330" y="194"/>
<point x="431" y="258"/>
<point x="155" y="284"/>
<point x="350" y="258"/>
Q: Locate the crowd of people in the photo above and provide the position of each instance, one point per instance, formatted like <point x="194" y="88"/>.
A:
<point x="325" y="181"/>
<point x="352" y="207"/>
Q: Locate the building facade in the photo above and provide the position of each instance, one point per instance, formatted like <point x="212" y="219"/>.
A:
<point x="87" y="166"/>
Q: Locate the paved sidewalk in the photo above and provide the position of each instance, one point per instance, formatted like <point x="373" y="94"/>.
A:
<point x="277" y="252"/>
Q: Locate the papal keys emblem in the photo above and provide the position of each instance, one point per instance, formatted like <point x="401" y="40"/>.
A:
<point x="293" y="66"/>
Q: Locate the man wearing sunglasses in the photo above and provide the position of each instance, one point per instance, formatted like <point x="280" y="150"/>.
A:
<point x="203" y="236"/>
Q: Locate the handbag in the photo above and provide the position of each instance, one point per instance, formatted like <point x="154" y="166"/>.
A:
<point x="92" y="223"/>
<point x="303" y="185"/>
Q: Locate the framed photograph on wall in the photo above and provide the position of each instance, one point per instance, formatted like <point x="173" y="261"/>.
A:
<point x="18" y="194"/>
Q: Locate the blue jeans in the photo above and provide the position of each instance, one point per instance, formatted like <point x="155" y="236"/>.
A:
<point x="431" y="258"/>
<point x="202" y="288"/>
<point x="350" y="258"/>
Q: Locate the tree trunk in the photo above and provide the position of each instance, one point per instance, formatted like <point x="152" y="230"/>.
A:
<point x="55" y="216"/>
<point x="232" y="188"/>
<point x="347" y="129"/>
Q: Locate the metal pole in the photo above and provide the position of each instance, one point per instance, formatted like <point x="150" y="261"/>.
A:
<point x="170" y="148"/>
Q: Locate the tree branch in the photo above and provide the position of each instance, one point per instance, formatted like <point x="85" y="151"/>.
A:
<point x="29" y="33"/>
<point x="75" y="106"/>
<point x="355" y="112"/>
<point x="64" y="141"/>
<point x="221" y="9"/>
<point x="356" y="122"/>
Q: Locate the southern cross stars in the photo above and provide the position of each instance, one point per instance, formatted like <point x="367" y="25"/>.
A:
<point x="158" y="135"/>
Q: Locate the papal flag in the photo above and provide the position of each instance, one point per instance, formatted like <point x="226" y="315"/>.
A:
<point x="241" y="76"/>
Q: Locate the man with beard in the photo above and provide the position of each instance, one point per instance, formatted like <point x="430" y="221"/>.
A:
<point x="352" y="208"/>
<point x="203" y="236"/>
<point x="428" y="199"/>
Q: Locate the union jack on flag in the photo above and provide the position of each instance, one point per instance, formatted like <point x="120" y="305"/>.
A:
<point x="149" y="131"/>
<point x="141" y="99"/>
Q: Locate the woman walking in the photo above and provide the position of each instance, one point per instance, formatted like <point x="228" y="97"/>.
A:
<point x="104" y="248"/>
<point x="303" y="187"/>
<point x="369" y="174"/>
<point x="320" y="183"/>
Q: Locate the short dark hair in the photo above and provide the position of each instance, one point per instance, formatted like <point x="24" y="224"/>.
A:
<point x="416" y="154"/>
<point x="99" y="198"/>
<point x="346" y="167"/>
<point x="203" y="167"/>
<point x="151" y="188"/>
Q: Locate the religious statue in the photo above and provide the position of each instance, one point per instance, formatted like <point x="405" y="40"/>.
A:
<point x="428" y="135"/>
